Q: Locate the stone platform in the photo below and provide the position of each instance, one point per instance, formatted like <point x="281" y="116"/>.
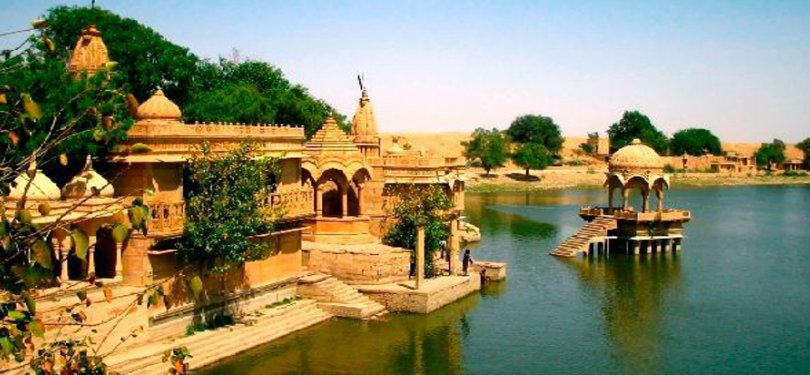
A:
<point x="495" y="270"/>
<point x="371" y="263"/>
<point x="435" y="293"/>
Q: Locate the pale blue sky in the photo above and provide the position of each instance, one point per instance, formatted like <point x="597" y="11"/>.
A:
<point x="740" y="68"/>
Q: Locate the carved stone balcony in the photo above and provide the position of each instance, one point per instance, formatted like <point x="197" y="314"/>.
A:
<point x="167" y="218"/>
<point x="292" y="204"/>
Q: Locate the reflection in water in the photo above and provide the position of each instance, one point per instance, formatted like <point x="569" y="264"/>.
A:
<point x="632" y="290"/>
<point x="414" y="344"/>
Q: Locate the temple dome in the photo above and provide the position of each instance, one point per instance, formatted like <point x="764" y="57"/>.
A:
<point x="87" y="184"/>
<point x="635" y="156"/>
<point x="159" y="107"/>
<point x="90" y="53"/>
<point x="395" y="148"/>
<point x="41" y="187"/>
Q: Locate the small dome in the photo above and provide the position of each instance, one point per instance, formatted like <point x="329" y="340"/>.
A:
<point x="87" y="184"/>
<point x="159" y="107"/>
<point x="395" y="148"/>
<point x="41" y="187"/>
<point x="636" y="156"/>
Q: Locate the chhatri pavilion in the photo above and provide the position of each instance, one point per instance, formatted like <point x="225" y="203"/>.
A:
<point x="621" y="227"/>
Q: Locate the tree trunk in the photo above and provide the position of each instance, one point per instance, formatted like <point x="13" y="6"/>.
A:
<point x="527" y="172"/>
<point x="487" y="169"/>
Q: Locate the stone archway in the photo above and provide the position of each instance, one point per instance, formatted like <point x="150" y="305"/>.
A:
<point x="355" y="193"/>
<point x="332" y="194"/>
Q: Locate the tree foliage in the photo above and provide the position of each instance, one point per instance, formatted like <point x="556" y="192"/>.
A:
<point x="249" y="92"/>
<point x="427" y="207"/>
<point x="634" y="124"/>
<point x="532" y="156"/>
<point x="770" y="154"/>
<point x="696" y="142"/>
<point x="805" y="147"/>
<point x="225" y="207"/>
<point x="536" y="129"/>
<point x="490" y="148"/>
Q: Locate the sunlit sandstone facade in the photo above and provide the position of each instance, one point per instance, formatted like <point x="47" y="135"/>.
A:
<point x="622" y="227"/>
<point x="335" y="189"/>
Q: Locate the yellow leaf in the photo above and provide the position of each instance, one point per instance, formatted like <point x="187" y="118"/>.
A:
<point x="44" y="209"/>
<point x="24" y="216"/>
<point x="108" y="294"/>
<point x="43" y="254"/>
<point x="63" y="159"/>
<point x="196" y="286"/>
<point x="31" y="107"/>
<point x="80" y="243"/>
<point x="119" y="233"/>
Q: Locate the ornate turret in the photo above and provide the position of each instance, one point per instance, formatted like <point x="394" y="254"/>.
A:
<point x="159" y="108"/>
<point x="364" y="127"/>
<point x="90" y="54"/>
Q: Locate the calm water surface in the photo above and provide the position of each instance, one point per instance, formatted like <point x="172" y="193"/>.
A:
<point x="735" y="301"/>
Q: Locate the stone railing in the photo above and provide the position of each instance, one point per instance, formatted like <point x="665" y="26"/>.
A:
<point x="167" y="218"/>
<point x="653" y="215"/>
<point x="142" y="129"/>
<point x="293" y="203"/>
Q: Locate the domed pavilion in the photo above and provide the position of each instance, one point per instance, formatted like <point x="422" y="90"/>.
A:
<point x="635" y="167"/>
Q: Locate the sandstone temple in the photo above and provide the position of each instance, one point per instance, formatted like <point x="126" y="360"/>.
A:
<point x="334" y="194"/>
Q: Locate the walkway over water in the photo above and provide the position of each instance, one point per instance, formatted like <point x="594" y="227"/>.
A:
<point x="595" y="231"/>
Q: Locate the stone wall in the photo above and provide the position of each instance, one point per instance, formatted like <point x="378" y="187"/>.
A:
<point x="403" y="299"/>
<point x="358" y="264"/>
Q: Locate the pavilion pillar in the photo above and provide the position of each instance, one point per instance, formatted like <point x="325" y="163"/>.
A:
<point x="646" y="200"/>
<point x="659" y="193"/>
<point x="637" y="247"/>
<point x="360" y="197"/>
<point x="454" y="247"/>
<point x="625" y="196"/>
<point x="91" y="256"/>
<point x="119" y="264"/>
<point x="344" y="201"/>
<point x="61" y="256"/>
<point x="420" y="257"/>
<point x="318" y="201"/>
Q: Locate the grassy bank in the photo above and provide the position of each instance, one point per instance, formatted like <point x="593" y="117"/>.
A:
<point x="555" y="181"/>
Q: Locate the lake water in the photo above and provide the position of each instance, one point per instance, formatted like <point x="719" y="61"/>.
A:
<point x="736" y="300"/>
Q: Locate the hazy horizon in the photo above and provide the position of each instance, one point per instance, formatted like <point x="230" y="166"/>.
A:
<point x="741" y="69"/>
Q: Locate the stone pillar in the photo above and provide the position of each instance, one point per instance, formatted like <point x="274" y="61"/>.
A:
<point x="91" y="256"/>
<point x="454" y="247"/>
<point x="659" y="193"/>
<point x="637" y="247"/>
<point x="61" y="257"/>
<point x="420" y="257"/>
<point x="645" y="194"/>
<point x="318" y="201"/>
<point x="359" y="199"/>
<point x="625" y="196"/>
<point x="344" y="201"/>
<point x="119" y="261"/>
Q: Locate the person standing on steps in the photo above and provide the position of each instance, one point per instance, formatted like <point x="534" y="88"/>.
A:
<point x="465" y="263"/>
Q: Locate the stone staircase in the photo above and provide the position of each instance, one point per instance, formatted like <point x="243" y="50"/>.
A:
<point x="578" y="243"/>
<point x="339" y="298"/>
<point x="210" y="346"/>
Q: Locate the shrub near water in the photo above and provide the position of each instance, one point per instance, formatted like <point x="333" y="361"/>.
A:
<point x="225" y="207"/>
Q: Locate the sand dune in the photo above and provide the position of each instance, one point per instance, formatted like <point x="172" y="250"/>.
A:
<point x="449" y="144"/>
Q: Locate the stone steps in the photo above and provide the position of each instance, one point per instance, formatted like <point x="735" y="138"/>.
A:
<point x="210" y="346"/>
<point x="579" y="241"/>
<point x="339" y="298"/>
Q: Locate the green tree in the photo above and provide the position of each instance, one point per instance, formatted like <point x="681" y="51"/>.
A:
<point x="146" y="60"/>
<point x="536" y="129"/>
<point x="805" y="147"/>
<point x="634" y="124"/>
<point x="695" y="141"/>
<point x="532" y="156"/>
<point x="770" y="154"/>
<point x="225" y="207"/>
<point x="425" y="206"/>
<point x="490" y="148"/>
<point x="50" y="116"/>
